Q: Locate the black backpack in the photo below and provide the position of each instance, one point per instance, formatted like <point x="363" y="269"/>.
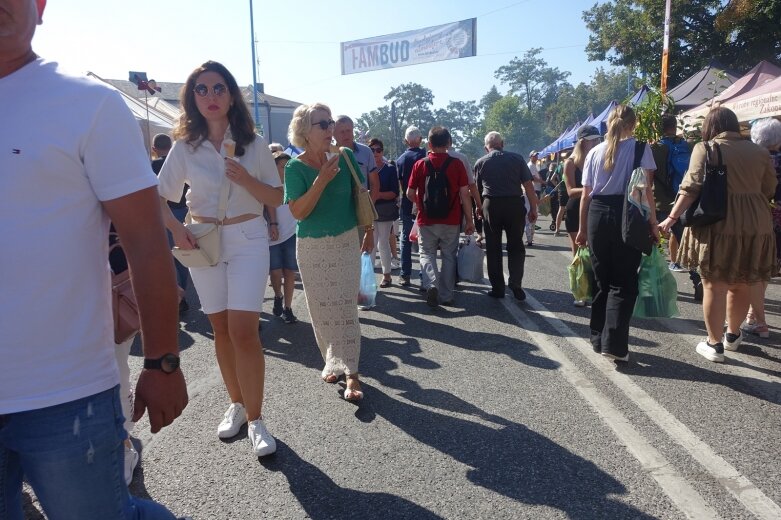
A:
<point x="436" y="197"/>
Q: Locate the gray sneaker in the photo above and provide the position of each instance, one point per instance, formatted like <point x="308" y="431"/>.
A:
<point x="262" y="442"/>
<point x="288" y="316"/>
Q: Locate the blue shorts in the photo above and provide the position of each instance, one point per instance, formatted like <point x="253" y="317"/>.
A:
<point x="283" y="256"/>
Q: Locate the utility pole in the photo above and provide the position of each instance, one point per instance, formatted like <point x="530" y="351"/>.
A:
<point x="254" y="68"/>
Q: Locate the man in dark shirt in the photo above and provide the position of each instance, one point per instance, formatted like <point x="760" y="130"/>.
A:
<point x="404" y="165"/>
<point x="502" y="178"/>
<point x="161" y="145"/>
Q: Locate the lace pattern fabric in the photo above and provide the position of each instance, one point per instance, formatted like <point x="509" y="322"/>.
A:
<point x="330" y="272"/>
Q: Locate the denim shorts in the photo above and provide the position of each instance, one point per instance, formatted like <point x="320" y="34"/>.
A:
<point x="283" y="255"/>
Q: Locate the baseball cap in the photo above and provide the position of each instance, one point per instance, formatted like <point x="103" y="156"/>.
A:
<point x="588" y="132"/>
<point x="533" y="153"/>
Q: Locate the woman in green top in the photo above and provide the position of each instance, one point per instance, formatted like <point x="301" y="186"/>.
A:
<point x="319" y="192"/>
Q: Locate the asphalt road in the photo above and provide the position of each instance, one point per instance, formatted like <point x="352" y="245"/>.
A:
<point x="489" y="409"/>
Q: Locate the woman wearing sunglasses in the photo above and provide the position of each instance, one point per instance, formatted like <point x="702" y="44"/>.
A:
<point x="319" y="193"/>
<point x="231" y="292"/>
<point x="387" y="209"/>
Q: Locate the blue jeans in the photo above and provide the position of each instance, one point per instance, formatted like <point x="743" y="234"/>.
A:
<point x="72" y="455"/>
<point x="181" y="271"/>
<point x="406" y="245"/>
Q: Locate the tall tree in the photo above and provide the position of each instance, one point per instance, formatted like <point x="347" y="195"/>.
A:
<point x="462" y="118"/>
<point x="630" y="33"/>
<point x="532" y="80"/>
<point x="488" y="100"/>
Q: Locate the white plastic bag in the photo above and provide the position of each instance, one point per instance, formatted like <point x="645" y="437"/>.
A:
<point x="470" y="261"/>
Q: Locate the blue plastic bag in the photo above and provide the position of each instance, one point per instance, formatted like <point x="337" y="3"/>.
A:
<point x="657" y="289"/>
<point x="367" y="292"/>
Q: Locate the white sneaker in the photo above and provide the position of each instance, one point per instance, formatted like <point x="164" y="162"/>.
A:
<point x="131" y="461"/>
<point x="579" y="303"/>
<point x="732" y="345"/>
<point x="713" y="353"/>
<point x="395" y="264"/>
<point x="624" y="358"/>
<point x="234" y="418"/>
<point x="262" y="442"/>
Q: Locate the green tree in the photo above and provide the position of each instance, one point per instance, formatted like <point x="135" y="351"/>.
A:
<point x="488" y="100"/>
<point x="530" y="77"/>
<point x="521" y="131"/>
<point x="736" y="34"/>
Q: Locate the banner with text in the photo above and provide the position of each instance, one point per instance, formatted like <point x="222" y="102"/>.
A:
<point x="442" y="42"/>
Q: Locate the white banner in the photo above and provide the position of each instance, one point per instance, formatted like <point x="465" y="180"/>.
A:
<point x="443" y="42"/>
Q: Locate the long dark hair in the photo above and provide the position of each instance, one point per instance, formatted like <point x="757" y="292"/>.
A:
<point x="719" y="120"/>
<point x="192" y="125"/>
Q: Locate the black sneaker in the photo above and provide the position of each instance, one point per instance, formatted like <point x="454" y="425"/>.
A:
<point x="432" y="297"/>
<point x="277" y="310"/>
<point x="288" y="316"/>
<point x="698" y="291"/>
<point x="519" y="294"/>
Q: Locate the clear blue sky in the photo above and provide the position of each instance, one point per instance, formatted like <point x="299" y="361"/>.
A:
<point x="298" y="43"/>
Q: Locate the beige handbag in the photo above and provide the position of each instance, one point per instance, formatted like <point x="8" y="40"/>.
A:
<point x="365" y="211"/>
<point x="207" y="236"/>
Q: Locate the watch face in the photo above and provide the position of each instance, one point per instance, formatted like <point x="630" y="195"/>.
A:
<point x="169" y="363"/>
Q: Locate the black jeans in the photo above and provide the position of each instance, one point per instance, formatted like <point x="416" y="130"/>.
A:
<point x="615" y="269"/>
<point x="508" y="215"/>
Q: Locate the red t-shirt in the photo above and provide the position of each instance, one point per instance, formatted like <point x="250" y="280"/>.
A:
<point x="456" y="176"/>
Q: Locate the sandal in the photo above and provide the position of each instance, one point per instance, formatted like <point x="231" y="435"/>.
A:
<point x="385" y="283"/>
<point x="330" y="378"/>
<point x="352" y="394"/>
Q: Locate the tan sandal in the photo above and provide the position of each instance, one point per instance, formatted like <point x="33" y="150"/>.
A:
<point x="352" y="394"/>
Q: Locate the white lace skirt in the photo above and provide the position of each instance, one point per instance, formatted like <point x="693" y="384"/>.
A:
<point x="330" y="271"/>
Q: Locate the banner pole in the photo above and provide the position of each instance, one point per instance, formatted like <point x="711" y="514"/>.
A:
<point x="666" y="50"/>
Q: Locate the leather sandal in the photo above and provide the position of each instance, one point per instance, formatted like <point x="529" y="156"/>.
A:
<point x="330" y="378"/>
<point x="351" y="394"/>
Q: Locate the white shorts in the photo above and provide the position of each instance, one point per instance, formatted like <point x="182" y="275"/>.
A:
<point x="238" y="281"/>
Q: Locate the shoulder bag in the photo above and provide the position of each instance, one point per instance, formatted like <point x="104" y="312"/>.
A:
<point x="365" y="211"/>
<point x="207" y="235"/>
<point x="711" y="204"/>
<point x="123" y="304"/>
<point x="634" y="223"/>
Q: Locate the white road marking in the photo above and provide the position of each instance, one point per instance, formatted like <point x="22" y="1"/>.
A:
<point x="682" y="494"/>
<point x="748" y="494"/>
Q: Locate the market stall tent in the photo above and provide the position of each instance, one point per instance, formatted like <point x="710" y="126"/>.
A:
<point x="701" y="87"/>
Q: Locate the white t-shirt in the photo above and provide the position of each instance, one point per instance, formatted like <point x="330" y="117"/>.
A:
<point x="203" y="169"/>
<point x="286" y="224"/>
<point x="470" y="174"/>
<point x="68" y="143"/>
<point x="536" y="179"/>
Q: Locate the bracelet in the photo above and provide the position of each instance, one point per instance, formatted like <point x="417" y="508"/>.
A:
<point x="672" y="218"/>
<point x="272" y="224"/>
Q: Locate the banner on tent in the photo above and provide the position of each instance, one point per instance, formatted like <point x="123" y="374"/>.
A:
<point x="438" y="43"/>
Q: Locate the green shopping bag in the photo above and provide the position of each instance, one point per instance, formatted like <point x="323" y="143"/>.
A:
<point x="543" y="208"/>
<point x="580" y="275"/>
<point x="658" y="290"/>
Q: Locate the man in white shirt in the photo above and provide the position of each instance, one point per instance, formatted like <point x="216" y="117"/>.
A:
<point x="74" y="159"/>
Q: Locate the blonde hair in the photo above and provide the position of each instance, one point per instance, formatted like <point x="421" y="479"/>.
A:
<point x="578" y="156"/>
<point x="301" y="123"/>
<point x="620" y="123"/>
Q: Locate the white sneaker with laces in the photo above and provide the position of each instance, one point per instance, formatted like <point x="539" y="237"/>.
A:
<point x="131" y="461"/>
<point x="234" y="418"/>
<point x="262" y="442"/>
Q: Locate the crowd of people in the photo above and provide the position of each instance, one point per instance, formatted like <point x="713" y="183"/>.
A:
<point x="282" y="215"/>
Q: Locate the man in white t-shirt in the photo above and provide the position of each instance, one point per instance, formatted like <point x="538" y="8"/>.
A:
<point x="73" y="159"/>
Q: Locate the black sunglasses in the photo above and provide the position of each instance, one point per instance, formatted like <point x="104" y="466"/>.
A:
<point x="377" y="150"/>
<point x="218" y="90"/>
<point x="325" y="124"/>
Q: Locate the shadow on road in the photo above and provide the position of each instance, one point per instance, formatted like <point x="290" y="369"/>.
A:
<point x="322" y="498"/>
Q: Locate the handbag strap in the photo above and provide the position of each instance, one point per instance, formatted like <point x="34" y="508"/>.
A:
<point x="358" y="183"/>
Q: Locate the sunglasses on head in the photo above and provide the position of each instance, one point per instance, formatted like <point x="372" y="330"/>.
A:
<point x="325" y="124"/>
<point x="218" y="90"/>
<point x="377" y="150"/>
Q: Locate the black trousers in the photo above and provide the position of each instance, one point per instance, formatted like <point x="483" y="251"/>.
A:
<point x="508" y="215"/>
<point x="616" y="268"/>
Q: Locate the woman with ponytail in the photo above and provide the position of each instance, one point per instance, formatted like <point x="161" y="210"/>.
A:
<point x="606" y="175"/>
